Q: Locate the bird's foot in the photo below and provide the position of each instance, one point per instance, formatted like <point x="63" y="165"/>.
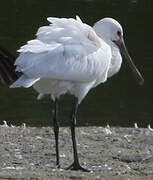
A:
<point x="76" y="166"/>
<point x="58" y="166"/>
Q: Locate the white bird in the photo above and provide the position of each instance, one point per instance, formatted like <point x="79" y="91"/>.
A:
<point x="69" y="56"/>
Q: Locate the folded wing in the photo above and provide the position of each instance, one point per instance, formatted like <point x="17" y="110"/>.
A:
<point x="67" y="49"/>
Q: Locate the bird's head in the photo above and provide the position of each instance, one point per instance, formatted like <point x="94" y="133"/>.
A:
<point x="108" y="29"/>
<point x="111" y="32"/>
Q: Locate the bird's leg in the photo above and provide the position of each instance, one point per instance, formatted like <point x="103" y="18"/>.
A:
<point x="56" y="131"/>
<point x="75" y="165"/>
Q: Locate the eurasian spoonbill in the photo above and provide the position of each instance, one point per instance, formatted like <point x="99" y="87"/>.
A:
<point x="71" y="56"/>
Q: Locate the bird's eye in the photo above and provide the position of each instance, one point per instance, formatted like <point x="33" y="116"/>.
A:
<point x="119" y="33"/>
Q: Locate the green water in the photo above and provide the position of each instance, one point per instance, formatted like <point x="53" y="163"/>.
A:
<point x="120" y="101"/>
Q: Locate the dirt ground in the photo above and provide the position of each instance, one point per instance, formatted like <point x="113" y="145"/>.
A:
<point x="110" y="152"/>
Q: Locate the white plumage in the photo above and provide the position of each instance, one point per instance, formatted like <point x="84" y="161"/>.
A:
<point x="66" y="56"/>
<point x="70" y="56"/>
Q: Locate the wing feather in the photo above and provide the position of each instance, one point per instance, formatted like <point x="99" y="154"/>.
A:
<point x="65" y="50"/>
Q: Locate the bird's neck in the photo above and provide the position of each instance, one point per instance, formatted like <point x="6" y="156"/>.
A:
<point x="116" y="60"/>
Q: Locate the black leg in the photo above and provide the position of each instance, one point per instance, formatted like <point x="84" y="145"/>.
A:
<point x="56" y="131"/>
<point x="75" y="165"/>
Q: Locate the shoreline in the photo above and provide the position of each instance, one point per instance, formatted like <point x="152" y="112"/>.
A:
<point x="110" y="153"/>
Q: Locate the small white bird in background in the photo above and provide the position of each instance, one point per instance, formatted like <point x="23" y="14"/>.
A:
<point x="69" y="56"/>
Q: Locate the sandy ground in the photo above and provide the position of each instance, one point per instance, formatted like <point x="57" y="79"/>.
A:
<point x="110" y="153"/>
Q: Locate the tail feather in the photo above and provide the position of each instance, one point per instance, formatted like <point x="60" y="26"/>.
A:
<point x="40" y="96"/>
<point x="24" y="81"/>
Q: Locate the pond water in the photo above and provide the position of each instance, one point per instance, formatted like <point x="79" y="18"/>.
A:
<point x="118" y="102"/>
